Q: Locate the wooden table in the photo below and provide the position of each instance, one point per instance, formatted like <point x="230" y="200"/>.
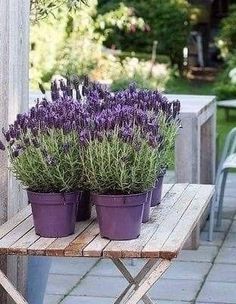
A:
<point x="195" y="147"/>
<point x="160" y="241"/>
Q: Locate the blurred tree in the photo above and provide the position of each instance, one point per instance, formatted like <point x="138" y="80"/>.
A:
<point x="168" y="22"/>
<point x="42" y="8"/>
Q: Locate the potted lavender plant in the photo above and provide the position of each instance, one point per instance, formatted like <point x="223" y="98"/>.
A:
<point x="43" y="147"/>
<point x="120" y="162"/>
<point x="167" y="113"/>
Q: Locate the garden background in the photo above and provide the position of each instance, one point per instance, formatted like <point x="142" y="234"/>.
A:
<point x="149" y="42"/>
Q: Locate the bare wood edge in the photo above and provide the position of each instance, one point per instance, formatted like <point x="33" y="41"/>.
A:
<point x="150" y="253"/>
<point x="11" y="222"/>
<point x="61" y="251"/>
<point x="171" y="255"/>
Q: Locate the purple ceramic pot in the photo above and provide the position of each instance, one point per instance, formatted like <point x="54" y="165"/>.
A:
<point x="157" y="191"/>
<point x="84" y="207"/>
<point x="147" y="207"/>
<point x="119" y="216"/>
<point x="54" y="214"/>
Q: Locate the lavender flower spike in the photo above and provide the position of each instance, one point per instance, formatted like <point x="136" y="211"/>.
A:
<point x="2" y="147"/>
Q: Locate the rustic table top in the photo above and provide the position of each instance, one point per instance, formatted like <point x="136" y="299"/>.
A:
<point x="164" y="236"/>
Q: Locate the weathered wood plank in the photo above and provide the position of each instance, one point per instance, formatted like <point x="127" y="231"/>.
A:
<point x="76" y="247"/>
<point x="40" y="246"/>
<point x="15" y="234"/>
<point x="15" y="221"/>
<point x="11" y="290"/>
<point x="58" y="246"/>
<point x="188" y="221"/>
<point x="21" y="246"/>
<point x="95" y="248"/>
<point x="154" y="245"/>
<point x="133" y="248"/>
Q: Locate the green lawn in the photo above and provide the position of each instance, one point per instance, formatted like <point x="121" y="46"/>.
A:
<point x="184" y="86"/>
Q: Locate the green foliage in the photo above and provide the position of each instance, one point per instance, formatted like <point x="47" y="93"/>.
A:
<point x="225" y="91"/>
<point x="55" y="171"/>
<point x="40" y="9"/>
<point x="226" y="39"/>
<point x="77" y="46"/>
<point x="113" y="166"/>
<point x="168" y="22"/>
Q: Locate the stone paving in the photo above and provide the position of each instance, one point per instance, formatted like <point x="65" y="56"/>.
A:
<point x="203" y="276"/>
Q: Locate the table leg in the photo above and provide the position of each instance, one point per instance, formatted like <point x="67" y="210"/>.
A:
<point x="11" y="290"/>
<point x="140" y="284"/>
<point x="187" y="152"/>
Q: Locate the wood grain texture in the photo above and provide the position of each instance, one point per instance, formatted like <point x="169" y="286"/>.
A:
<point x="163" y="236"/>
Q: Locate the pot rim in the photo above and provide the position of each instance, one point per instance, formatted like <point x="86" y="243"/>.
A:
<point x="53" y="193"/>
<point x="120" y="195"/>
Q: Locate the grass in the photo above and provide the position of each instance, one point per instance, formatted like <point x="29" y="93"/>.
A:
<point x="185" y="86"/>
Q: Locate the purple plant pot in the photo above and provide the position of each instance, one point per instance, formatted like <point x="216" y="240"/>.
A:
<point x="54" y="214"/>
<point x="147" y="207"/>
<point x="84" y="207"/>
<point x="157" y="191"/>
<point x="119" y="216"/>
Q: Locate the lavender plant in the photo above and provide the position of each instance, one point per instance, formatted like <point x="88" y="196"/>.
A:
<point x="43" y="146"/>
<point x="119" y="155"/>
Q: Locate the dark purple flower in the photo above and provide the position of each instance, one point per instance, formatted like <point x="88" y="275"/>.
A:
<point x="35" y="143"/>
<point x="15" y="153"/>
<point x="2" y="147"/>
<point x="51" y="160"/>
<point x="66" y="148"/>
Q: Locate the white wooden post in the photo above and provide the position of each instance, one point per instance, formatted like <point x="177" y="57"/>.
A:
<point x="14" y="52"/>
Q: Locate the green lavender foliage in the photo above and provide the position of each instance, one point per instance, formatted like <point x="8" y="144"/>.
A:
<point x="50" y="166"/>
<point x="113" y="166"/>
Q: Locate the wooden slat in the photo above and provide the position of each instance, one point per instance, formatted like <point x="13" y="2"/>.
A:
<point x="58" y="246"/>
<point x="15" y="221"/>
<point x="15" y="234"/>
<point x="133" y="248"/>
<point x="96" y="247"/>
<point x="40" y="246"/>
<point x="21" y="246"/>
<point x="11" y="290"/>
<point x="187" y="223"/>
<point x="156" y="242"/>
<point x="76" y="247"/>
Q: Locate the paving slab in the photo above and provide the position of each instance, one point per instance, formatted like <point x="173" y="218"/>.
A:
<point x="218" y="239"/>
<point x="187" y="271"/>
<point x="97" y="286"/>
<point x="223" y="273"/>
<point x="72" y="266"/>
<point x="175" y="290"/>
<point x="228" y="213"/>
<point x="226" y="255"/>
<point x="230" y="201"/>
<point x="223" y="228"/>
<point x="61" y="284"/>
<point x="202" y="254"/>
<point x="230" y="240"/>
<point x="106" y="267"/>
<point x="233" y="227"/>
<point x="219" y="292"/>
<point x="87" y="300"/>
<point x="97" y="300"/>
<point x="52" y="299"/>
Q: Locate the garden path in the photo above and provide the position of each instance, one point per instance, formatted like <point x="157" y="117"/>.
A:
<point x="204" y="276"/>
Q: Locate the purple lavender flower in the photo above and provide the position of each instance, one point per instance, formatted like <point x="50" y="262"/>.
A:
<point x="15" y="152"/>
<point x="35" y="143"/>
<point x="2" y="147"/>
